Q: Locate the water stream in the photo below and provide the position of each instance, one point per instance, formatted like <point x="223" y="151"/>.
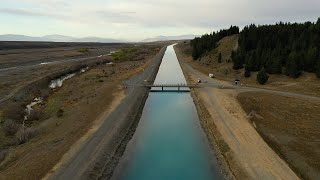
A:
<point x="169" y="142"/>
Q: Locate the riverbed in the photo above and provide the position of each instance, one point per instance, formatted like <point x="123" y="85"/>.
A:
<point x="169" y="142"/>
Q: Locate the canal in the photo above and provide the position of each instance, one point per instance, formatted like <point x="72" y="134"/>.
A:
<point x="169" y="143"/>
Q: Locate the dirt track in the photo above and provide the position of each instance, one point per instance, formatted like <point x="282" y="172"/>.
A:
<point x="248" y="155"/>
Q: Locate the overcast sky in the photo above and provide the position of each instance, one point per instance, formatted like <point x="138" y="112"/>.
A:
<point x="140" y="19"/>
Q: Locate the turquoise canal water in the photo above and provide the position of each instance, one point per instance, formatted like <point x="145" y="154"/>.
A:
<point x="169" y="143"/>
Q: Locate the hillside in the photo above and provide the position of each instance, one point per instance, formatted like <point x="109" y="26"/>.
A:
<point x="56" y="38"/>
<point x="168" y="38"/>
<point x="307" y="83"/>
<point x="209" y="61"/>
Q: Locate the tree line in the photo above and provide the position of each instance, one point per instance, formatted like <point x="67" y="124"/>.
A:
<point x="207" y="42"/>
<point x="283" y="48"/>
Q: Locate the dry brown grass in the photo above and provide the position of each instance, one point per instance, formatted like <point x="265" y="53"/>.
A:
<point x="290" y="126"/>
<point x="83" y="99"/>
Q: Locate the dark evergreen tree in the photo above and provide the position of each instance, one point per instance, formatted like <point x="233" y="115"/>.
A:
<point x="318" y="68"/>
<point x="294" y="46"/>
<point x="273" y="66"/>
<point x="220" y="58"/>
<point x="262" y="76"/>
<point x="310" y="59"/>
<point x="292" y="67"/>
<point x="269" y="46"/>
<point x="237" y="60"/>
<point x="247" y="72"/>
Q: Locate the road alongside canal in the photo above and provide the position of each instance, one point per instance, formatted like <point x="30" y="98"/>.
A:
<point x="247" y="154"/>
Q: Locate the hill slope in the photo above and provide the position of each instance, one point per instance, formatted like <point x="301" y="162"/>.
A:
<point x="307" y="83"/>
<point x="56" y="38"/>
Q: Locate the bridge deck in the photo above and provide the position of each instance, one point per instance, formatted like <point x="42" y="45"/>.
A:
<point x="172" y="85"/>
<point x="180" y="87"/>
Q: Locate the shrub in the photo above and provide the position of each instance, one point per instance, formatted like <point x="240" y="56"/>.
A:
<point x="25" y="134"/>
<point x="247" y="73"/>
<point x="36" y="115"/>
<point x="14" y="111"/>
<point x="60" y="112"/>
<point x="83" y="50"/>
<point x="125" y="54"/>
<point x="10" y="127"/>
<point x="3" y="154"/>
<point x="262" y="76"/>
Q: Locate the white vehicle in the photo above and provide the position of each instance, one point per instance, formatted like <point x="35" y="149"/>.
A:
<point x="211" y="75"/>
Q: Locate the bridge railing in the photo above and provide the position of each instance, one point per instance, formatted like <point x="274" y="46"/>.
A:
<point x="180" y="87"/>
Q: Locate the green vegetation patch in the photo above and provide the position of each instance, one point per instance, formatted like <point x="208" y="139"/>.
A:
<point x="84" y="50"/>
<point x="52" y="106"/>
<point x="125" y="54"/>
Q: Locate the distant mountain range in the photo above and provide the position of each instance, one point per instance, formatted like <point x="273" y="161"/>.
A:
<point x="166" y="38"/>
<point x="56" y="38"/>
<point x="61" y="38"/>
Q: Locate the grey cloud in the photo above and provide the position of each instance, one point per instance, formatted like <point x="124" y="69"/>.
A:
<point x="161" y="15"/>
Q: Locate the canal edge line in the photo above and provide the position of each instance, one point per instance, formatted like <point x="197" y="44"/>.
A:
<point x="203" y="117"/>
<point x="105" y="170"/>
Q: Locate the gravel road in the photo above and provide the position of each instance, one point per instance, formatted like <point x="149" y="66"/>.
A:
<point x="211" y="82"/>
<point x="250" y="157"/>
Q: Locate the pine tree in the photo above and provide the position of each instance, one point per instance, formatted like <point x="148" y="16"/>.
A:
<point x="262" y="76"/>
<point x="292" y="66"/>
<point x="237" y="60"/>
<point x="318" y="68"/>
<point x="273" y="66"/>
<point x="220" y="58"/>
<point x="310" y="59"/>
<point x="247" y="72"/>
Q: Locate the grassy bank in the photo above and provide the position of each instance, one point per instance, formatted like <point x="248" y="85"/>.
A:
<point x="67" y="114"/>
<point x="290" y="126"/>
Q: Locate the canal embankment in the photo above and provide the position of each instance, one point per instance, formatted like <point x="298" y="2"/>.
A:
<point x="217" y="144"/>
<point x="98" y="156"/>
